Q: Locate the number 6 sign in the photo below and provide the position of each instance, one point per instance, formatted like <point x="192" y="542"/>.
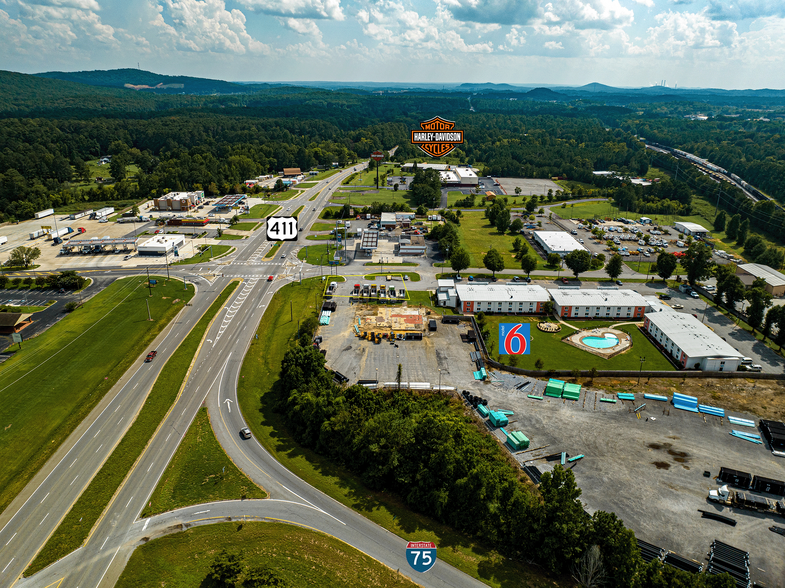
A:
<point x="421" y="555"/>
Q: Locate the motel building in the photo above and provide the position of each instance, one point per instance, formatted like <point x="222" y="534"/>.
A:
<point x="599" y="304"/>
<point x="502" y="299"/>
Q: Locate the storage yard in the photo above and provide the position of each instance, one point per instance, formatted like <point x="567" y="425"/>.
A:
<point x="647" y="466"/>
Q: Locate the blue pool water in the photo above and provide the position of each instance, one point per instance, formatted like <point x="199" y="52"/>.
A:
<point x="601" y="342"/>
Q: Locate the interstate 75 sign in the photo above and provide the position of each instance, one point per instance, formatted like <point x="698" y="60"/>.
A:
<point x="282" y="228"/>
<point x="421" y="555"/>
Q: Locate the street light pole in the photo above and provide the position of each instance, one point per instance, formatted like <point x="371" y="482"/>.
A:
<point x="642" y="359"/>
<point x="440" y="379"/>
<point x="149" y="287"/>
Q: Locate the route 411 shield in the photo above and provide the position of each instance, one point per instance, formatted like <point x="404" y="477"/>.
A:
<point x="421" y="555"/>
<point x="282" y="228"/>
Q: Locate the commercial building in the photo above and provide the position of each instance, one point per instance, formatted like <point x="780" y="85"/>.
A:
<point x="178" y="201"/>
<point x="693" y="229"/>
<point x="459" y="176"/>
<point x="605" y="303"/>
<point x="502" y="299"/>
<point x="557" y="242"/>
<point x="775" y="281"/>
<point x="161" y="245"/>
<point x="690" y="343"/>
<point x="13" y="322"/>
<point x="388" y="220"/>
<point x="446" y="294"/>
<point x="291" y="172"/>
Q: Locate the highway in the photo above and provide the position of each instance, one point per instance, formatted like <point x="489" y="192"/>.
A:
<point x="29" y="521"/>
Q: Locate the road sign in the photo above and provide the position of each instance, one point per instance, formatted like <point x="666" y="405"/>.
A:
<point x="16" y="337"/>
<point x="377" y="155"/>
<point x="421" y="555"/>
<point x="282" y="228"/>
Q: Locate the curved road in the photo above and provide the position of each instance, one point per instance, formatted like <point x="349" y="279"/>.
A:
<point x="29" y="521"/>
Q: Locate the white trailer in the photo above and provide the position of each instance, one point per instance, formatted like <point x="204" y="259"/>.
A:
<point x="77" y="215"/>
<point x="38" y="233"/>
<point x="104" y="212"/>
<point x="3" y="240"/>
<point x="59" y="233"/>
<point x="43" y="213"/>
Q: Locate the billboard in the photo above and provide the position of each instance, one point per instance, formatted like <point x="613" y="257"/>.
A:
<point x="514" y="339"/>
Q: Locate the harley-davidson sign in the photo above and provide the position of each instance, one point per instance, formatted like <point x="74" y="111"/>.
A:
<point x="437" y="137"/>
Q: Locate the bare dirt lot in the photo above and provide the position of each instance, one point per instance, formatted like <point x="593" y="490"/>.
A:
<point x="650" y="472"/>
<point x="528" y="186"/>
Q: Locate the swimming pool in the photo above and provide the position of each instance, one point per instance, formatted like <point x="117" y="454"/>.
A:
<point x="605" y="342"/>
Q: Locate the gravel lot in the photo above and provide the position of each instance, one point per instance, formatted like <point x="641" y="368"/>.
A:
<point x="528" y="186"/>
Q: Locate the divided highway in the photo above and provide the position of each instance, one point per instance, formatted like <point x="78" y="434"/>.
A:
<point x="213" y="379"/>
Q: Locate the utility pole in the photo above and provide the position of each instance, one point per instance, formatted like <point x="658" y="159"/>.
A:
<point x="149" y="318"/>
<point x="641" y="369"/>
<point x="149" y="287"/>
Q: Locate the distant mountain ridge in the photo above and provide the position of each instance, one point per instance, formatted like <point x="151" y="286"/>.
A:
<point x="136" y="79"/>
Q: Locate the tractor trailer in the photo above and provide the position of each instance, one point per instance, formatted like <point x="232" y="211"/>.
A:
<point x="746" y="500"/>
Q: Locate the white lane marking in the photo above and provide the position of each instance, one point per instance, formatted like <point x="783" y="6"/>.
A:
<point x="129" y="501"/>
<point x="167" y="437"/>
<point x="228" y="403"/>
<point x="43" y="519"/>
<point x="96" y="435"/>
<point x="201" y="512"/>
<point x="12" y="537"/>
<point x="135" y="385"/>
<point x="151" y="465"/>
<point x="72" y="463"/>
<point x="99" y="448"/>
<point x="107" y="567"/>
<point x="104" y="543"/>
<point x="145" y="524"/>
<point x="118" y="407"/>
<point x="121" y="420"/>
<point x="8" y="564"/>
<point x="182" y="413"/>
<point x="74" y="480"/>
<point x="44" y="498"/>
<point x="312" y="504"/>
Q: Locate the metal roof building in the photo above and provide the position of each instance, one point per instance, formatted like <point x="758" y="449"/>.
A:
<point x="230" y="201"/>
<point x="557" y="242"/>
<point x="606" y="303"/>
<point x="775" y="281"/>
<point x="690" y="343"/>
<point x="161" y="245"/>
<point x="690" y="228"/>
<point x="502" y="298"/>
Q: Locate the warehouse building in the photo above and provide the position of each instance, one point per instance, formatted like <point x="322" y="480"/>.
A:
<point x="690" y="343"/>
<point x="161" y="245"/>
<point x="388" y="221"/>
<point x="775" y="281"/>
<point x="557" y="242"/>
<point x="459" y="176"/>
<point x="502" y="299"/>
<point x="608" y="303"/>
<point x="693" y="229"/>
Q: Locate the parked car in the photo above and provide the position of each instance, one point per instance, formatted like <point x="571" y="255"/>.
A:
<point x="565" y="281"/>
<point x="664" y="297"/>
<point x="694" y="294"/>
<point x="619" y="283"/>
<point x="470" y="278"/>
<point x="677" y="306"/>
<point x="516" y="279"/>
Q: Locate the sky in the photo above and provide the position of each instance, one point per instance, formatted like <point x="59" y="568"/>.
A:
<point x="629" y="43"/>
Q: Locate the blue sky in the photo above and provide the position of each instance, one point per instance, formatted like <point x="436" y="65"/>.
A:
<point x="617" y="42"/>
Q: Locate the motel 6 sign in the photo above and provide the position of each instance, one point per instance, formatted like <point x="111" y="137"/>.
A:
<point x="514" y="339"/>
<point x="437" y="136"/>
<point x="421" y="555"/>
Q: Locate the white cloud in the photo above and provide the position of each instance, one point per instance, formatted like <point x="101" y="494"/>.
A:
<point x="516" y="37"/>
<point x="330" y="9"/>
<point x="587" y="14"/>
<point x="63" y="26"/>
<point x="677" y="33"/>
<point x="493" y="11"/>
<point x="646" y="3"/>
<point x="303" y="26"/>
<point x="553" y="45"/>
<point x="206" y="26"/>
<point x="78" y="4"/>
<point x="745" y="9"/>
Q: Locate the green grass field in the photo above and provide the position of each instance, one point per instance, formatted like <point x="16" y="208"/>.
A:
<point x="562" y="356"/>
<point x="200" y="472"/>
<point x="70" y="367"/>
<point x="317" y="254"/>
<point x="302" y="557"/>
<point x="22" y="309"/>
<point x="325" y="174"/>
<point x="373" y="196"/>
<point x="332" y="210"/>
<point x="245" y="226"/>
<point x="273" y="250"/>
<point x="80" y="206"/>
<point x="478" y="236"/>
<point x="305" y="185"/>
<point x="76" y="525"/>
<point x="368" y="177"/>
<point x="227" y="237"/>
<point x="413" y="277"/>
<point x="205" y="255"/>
<point x="328" y="226"/>
<point x="297" y="212"/>
<point x="260" y="370"/>
<point x="260" y="211"/>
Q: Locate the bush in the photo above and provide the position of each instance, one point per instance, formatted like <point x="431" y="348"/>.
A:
<point x="71" y="306"/>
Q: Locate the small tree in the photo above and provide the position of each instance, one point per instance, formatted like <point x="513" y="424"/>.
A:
<point x="741" y="235"/>
<point x="553" y="260"/>
<point x="225" y="569"/>
<point x="719" y="221"/>
<point x="398" y="376"/>
<point x="539" y="364"/>
<point x="666" y="265"/>
<point x="578" y="261"/>
<point x="589" y="571"/>
<point x="528" y="264"/>
<point x="516" y="226"/>
<point x="459" y="259"/>
<point x="732" y="228"/>
<point x="614" y="266"/>
<point x="548" y="307"/>
<point x="493" y="261"/>
<point x="24" y="256"/>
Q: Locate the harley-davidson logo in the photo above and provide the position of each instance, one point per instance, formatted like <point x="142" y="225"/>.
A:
<point x="437" y="137"/>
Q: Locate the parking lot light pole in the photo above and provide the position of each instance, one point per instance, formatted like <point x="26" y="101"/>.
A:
<point x="640" y="371"/>
<point x="440" y="379"/>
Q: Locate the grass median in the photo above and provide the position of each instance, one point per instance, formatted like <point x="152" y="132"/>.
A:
<point x="70" y="367"/>
<point x="260" y="371"/>
<point x="300" y="556"/>
<point x="76" y="525"/>
<point x="207" y="254"/>
<point x="260" y="211"/>
<point x="200" y="471"/>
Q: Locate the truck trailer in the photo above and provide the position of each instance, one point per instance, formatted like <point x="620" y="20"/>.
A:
<point x="43" y="213"/>
<point x="746" y="500"/>
<point x="3" y="240"/>
<point x="59" y="233"/>
<point x="81" y="214"/>
<point x="38" y="233"/>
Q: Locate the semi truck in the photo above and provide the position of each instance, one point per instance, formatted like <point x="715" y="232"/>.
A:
<point x="59" y="233"/>
<point x="746" y="500"/>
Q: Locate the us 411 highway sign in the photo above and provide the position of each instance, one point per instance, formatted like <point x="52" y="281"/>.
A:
<point x="282" y="228"/>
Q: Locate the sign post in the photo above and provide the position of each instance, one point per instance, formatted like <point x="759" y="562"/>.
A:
<point x="377" y="156"/>
<point x="421" y="555"/>
<point x="17" y="338"/>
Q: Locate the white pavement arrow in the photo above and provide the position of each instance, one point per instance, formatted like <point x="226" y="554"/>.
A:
<point x="228" y="402"/>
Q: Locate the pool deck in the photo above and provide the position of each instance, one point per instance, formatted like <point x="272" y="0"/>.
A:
<point x="625" y="342"/>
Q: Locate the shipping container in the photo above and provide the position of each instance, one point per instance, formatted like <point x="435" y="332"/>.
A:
<point x="43" y="213"/>
<point x="761" y="484"/>
<point x="735" y="478"/>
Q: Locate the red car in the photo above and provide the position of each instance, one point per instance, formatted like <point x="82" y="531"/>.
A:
<point x="150" y="356"/>
<point x="565" y="281"/>
<point x="269" y="278"/>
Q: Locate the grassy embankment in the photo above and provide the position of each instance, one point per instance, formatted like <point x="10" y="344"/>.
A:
<point x="260" y="211"/>
<point x="228" y="237"/>
<point x="260" y="371"/>
<point x="245" y="226"/>
<point x="71" y="366"/>
<point x="318" y="254"/>
<point x="200" y="472"/>
<point x="76" y="525"/>
<point x="302" y="557"/>
<point x="372" y="197"/>
<point x="367" y="177"/>
<point x="205" y="255"/>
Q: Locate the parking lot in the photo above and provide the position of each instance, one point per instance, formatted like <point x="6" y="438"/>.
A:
<point x="649" y="472"/>
<point x="528" y="186"/>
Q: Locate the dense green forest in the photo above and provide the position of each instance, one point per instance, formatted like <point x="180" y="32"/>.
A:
<point x="424" y="448"/>
<point x="50" y="128"/>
